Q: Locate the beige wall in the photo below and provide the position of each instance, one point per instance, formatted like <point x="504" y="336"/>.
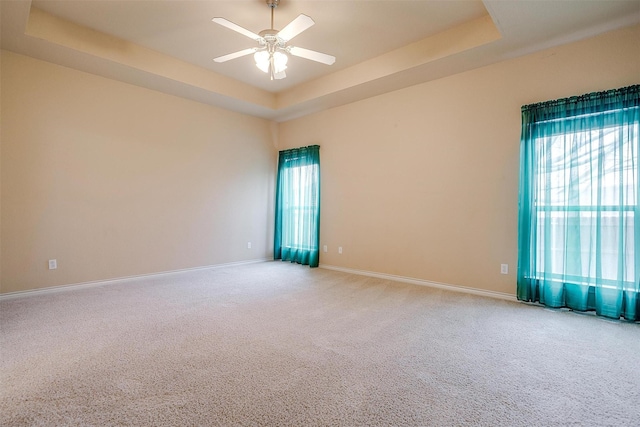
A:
<point x="114" y="180"/>
<point x="423" y="182"/>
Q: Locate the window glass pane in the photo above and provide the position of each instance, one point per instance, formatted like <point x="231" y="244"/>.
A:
<point x="302" y="190"/>
<point x="586" y="193"/>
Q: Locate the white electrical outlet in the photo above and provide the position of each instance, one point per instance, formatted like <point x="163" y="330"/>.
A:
<point x="324" y="248"/>
<point x="340" y="249"/>
<point x="53" y="264"/>
<point x="248" y="245"/>
<point x="504" y="268"/>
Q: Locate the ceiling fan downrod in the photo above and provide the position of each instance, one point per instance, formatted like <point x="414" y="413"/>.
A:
<point x="272" y="4"/>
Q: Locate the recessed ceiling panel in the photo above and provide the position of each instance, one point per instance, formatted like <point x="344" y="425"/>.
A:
<point x="352" y="31"/>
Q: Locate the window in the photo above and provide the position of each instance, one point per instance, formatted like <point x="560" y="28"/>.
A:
<point x="301" y="185"/>
<point x="297" y="225"/>
<point x="579" y="220"/>
<point x="578" y="212"/>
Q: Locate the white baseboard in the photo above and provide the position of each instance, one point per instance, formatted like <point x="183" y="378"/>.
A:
<point x="455" y="288"/>
<point x="62" y="288"/>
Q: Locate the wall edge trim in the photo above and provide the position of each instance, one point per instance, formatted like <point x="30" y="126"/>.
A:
<point x="95" y="283"/>
<point x="421" y="282"/>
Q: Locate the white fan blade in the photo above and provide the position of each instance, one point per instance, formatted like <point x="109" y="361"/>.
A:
<point x="295" y="27"/>
<point x="235" y="55"/>
<point x="237" y="28"/>
<point x="312" y="55"/>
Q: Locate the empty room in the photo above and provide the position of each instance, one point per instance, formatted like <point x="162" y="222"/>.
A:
<point x="319" y="213"/>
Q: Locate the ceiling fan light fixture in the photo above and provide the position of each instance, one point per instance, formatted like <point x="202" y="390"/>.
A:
<point x="271" y="56"/>
<point x="280" y="61"/>
<point x="265" y="60"/>
<point x="262" y="60"/>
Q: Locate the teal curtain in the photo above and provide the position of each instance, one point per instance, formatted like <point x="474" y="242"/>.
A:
<point x="579" y="214"/>
<point x="297" y="228"/>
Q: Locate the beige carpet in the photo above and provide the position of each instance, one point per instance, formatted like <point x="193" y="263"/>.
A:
<point x="276" y="344"/>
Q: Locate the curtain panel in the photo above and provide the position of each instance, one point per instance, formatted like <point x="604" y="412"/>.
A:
<point x="579" y="209"/>
<point x="297" y="216"/>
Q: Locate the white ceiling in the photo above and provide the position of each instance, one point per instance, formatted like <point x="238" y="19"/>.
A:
<point x="183" y="39"/>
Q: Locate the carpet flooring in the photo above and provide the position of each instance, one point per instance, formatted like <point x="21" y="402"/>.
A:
<point x="277" y="344"/>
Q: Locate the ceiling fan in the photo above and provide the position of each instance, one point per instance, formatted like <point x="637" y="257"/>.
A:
<point x="271" y="54"/>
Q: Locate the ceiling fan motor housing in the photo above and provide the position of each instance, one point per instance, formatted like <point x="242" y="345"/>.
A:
<point x="271" y="40"/>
